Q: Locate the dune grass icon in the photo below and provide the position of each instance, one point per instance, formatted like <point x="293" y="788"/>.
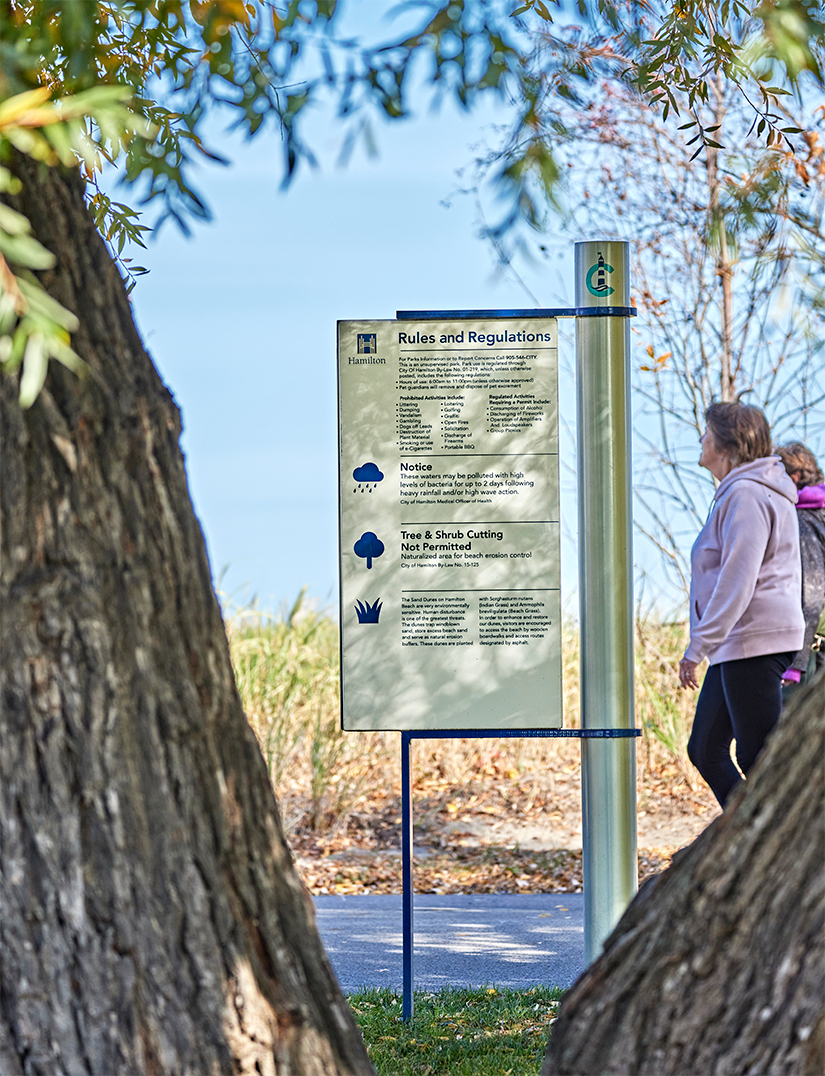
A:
<point x="367" y="614"/>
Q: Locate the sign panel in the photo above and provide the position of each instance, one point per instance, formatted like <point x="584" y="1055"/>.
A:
<point x="449" y="524"/>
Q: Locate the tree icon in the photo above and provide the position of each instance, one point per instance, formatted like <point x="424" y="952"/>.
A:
<point x="369" y="546"/>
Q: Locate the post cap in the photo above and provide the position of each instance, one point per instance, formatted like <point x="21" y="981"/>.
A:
<point x="602" y="273"/>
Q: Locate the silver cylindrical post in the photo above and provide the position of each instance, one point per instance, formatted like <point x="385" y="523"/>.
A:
<point x="605" y="586"/>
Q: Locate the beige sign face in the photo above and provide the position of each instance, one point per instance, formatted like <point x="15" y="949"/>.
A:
<point x="449" y="525"/>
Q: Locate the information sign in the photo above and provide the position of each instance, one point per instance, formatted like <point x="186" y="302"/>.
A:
<point x="449" y="524"/>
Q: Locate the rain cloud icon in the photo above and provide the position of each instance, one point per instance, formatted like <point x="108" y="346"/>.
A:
<point x="368" y="476"/>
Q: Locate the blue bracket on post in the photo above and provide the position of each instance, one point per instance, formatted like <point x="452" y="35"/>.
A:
<point x="407" y="1006"/>
<point x="494" y="315"/>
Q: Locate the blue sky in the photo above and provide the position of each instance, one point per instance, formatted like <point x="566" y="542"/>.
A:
<point x="241" y="322"/>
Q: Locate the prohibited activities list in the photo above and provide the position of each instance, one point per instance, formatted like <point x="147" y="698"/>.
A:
<point x="449" y="524"/>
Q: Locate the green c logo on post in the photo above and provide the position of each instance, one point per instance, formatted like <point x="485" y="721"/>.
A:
<point x="598" y="270"/>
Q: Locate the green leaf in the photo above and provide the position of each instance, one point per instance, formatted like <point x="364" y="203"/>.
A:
<point x="35" y="367"/>
<point x="23" y="249"/>
<point x="12" y="222"/>
<point x="39" y="300"/>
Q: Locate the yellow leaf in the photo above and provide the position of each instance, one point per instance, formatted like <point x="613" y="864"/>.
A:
<point x="12" y="109"/>
<point x="223" y="11"/>
<point x="235" y="11"/>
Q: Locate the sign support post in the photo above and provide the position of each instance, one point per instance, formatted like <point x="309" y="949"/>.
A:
<point x="407" y="899"/>
<point x="408" y="1002"/>
<point x="605" y="585"/>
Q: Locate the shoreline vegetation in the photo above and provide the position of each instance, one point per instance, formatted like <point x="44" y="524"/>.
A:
<point x="340" y="793"/>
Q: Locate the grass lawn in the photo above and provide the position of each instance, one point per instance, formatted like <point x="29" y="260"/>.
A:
<point x="474" y="1032"/>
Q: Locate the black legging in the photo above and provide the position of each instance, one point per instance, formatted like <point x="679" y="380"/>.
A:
<point x="740" y="700"/>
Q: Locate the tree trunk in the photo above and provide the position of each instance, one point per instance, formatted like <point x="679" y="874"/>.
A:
<point x="151" y="919"/>
<point x="724" y="262"/>
<point x="718" y="965"/>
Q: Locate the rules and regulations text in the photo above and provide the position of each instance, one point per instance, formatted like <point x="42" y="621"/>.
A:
<point x="449" y="524"/>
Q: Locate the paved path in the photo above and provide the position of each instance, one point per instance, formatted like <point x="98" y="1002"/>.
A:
<point x="515" y="940"/>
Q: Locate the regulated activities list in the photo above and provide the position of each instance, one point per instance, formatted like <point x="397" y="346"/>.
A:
<point x="449" y="524"/>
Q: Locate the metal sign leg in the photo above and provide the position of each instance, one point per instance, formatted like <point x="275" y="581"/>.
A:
<point x="407" y="876"/>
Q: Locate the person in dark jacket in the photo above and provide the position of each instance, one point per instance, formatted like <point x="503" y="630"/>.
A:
<point x="800" y="464"/>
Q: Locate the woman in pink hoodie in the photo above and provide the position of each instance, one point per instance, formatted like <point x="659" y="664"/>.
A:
<point x="745" y="613"/>
<point x="805" y="473"/>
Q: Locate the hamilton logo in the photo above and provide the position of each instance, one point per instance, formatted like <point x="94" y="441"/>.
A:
<point x="601" y="287"/>
<point x="367" y="343"/>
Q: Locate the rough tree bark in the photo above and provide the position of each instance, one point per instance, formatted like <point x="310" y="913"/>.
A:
<point x="718" y="965"/>
<point x="151" y="919"/>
